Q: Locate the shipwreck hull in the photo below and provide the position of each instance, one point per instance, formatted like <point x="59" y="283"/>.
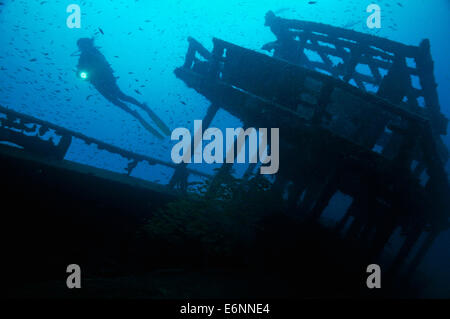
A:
<point x="336" y="137"/>
<point x="380" y="146"/>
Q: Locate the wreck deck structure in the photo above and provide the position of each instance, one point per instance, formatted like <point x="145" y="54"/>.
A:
<point x="374" y="136"/>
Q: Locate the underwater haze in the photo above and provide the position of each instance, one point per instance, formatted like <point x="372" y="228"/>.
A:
<point x="145" y="41"/>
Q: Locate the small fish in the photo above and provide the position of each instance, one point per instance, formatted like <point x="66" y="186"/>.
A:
<point x="33" y="60"/>
<point x="312" y="2"/>
<point x="182" y="102"/>
<point x="101" y="31"/>
<point x="87" y="97"/>
<point x="137" y="91"/>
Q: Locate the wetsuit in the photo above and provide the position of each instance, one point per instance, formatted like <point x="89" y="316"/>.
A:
<point x="100" y="74"/>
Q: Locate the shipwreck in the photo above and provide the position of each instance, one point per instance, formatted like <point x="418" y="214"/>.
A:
<point x="361" y="112"/>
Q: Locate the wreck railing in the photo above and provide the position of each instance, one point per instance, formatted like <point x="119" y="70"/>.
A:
<point x="52" y="141"/>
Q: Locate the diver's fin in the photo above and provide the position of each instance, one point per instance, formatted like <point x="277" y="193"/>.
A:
<point x="163" y="127"/>
<point x="147" y="126"/>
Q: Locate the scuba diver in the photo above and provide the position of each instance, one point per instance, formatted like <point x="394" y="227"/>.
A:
<point x="93" y="67"/>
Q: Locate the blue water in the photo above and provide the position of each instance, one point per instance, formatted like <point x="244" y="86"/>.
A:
<point x="146" y="40"/>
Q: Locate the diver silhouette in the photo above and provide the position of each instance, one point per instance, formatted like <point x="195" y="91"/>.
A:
<point x="93" y="67"/>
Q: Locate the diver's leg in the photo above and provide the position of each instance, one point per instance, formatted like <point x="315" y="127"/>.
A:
<point x="137" y="116"/>
<point x="149" y="111"/>
<point x="163" y="127"/>
<point x="122" y="96"/>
